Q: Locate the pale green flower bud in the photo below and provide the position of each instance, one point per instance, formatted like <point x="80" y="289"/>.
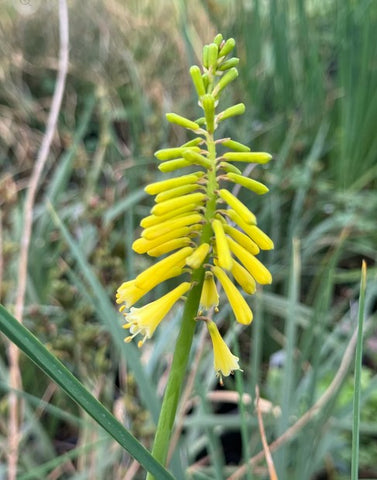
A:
<point x="197" y="80"/>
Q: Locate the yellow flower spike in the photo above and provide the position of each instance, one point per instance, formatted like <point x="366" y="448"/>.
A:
<point x="243" y="278"/>
<point x="260" y="238"/>
<point x="152" y="220"/>
<point x="224" y="257"/>
<point x="198" y="256"/>
<point x="129" y="293"/>
<point x="239" y="306"/>
<point x="162" y="228"/>
<point x="253" y="185"/>
<point x="224" y="362"/>
<point x="175" y="192"/>
<point x="251" y="263"/>
<point x="242" y="239"/>
<point x="164" y="269"/>
<point x="163" y="185"/>
<point x="145" y="320"/>
<point x="237" y="206"/>
<point x="169" y="246"/>
<point x="252" y="157"/>
<point x="164" y="207"/>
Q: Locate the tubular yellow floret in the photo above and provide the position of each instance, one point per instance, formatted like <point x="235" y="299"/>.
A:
<point x="209" y="297"/>
<point x="252" y="157"/>
<point x="196" y="158"/>
<point x="177" y="222"/>
<point x="169" y="246"/>
<point x="239" y="306"/>
<point x="243" y="278"/>
<point x="175" y="192"/>
<point x="242" y="239"/>
<point x="164" y="269"/>
<point x="224" y="258"/>
<point x="256" y="187"/>
<point x="164" y="207"/>
<point x="251" y="263"/>
<point x="182" y="121"/>
<point x="224" y="361"/>
<point x="233" y="215"/>
<point x="145" y="320"/>
<point x="142" y="245"/>
<point x="198" y="256"/>
<point x="152" y="220"/>
<point x="263" y="241"/>
<point x="237" y="206"/>
<point x="157" y="187"/>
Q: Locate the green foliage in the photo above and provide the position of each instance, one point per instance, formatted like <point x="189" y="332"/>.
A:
<point x="307" y="71"/>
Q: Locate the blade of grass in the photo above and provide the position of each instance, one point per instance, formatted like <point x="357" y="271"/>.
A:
<point x="50" y="365"/>
<point x="357" y="387"/>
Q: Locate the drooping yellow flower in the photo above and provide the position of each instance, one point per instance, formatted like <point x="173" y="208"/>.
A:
<point x="224" y="361"/>
<point x="209" y="297"/>
<point x="145" y="320"/>
<point x="239" y="306"/>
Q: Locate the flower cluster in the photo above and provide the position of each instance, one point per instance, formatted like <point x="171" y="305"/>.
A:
<point x="197" y="218"/>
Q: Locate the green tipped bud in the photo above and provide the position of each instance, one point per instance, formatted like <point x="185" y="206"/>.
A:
<point x="182" y="121"/>
<point x="201" y="121"/>
<point x="172" y="165"/>
<point x="238" y="109"/>
<point x="208" y="104"/>
<point x="256" y="187"/>
<point x="252" y="157"/>
<point x="170" y="153"/>
<point x="229" y="76"/>
<point x="205" y="56"/>
<point x="228" y="47"/>
<point x="197" y="80"/>
<point x="205" y="80"/>
<point x="228" y="167"/>
<point x="196" y="159"/>
<point x="232" y="62"/>
<point x="237" y="146"/>
<point x="218" y="39"/>
<point x="193" y="143"/>
<point x="213" y="51"/>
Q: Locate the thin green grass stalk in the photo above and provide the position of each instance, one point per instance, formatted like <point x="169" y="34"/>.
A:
<point x="52" y="367"/>
<point x="357" y="384"/>
<point x="245" y="433"/>
<point x="213" y="441"/>
<point x="289" y="369"/>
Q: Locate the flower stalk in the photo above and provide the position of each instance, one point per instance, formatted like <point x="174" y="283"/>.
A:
<point x="204" y="233"/>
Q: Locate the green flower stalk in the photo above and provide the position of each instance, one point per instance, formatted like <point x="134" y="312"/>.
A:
<point x="203" y="232"/>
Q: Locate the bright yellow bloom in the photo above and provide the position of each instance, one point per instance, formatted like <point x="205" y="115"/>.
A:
<point x="224" y="257"/>
<point x="145" y="320"/>
<point x="209" y="297"/>
<point x="224" y="362"/>
<point x="239" y="306"/>
<point x="165" y="227"/>
<point x="198" y="256"/>
<point x="237" y="206"/>
<point x="129" y="293"/>
<point x="244" y="278"/>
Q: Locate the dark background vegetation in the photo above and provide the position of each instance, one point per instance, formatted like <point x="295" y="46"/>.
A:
<point x="308" y="77"/>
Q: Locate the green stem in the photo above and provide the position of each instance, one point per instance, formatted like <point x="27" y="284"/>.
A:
<point x="177" y="373"/>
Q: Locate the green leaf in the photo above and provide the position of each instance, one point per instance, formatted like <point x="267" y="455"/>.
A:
<point x="50" y="365"/>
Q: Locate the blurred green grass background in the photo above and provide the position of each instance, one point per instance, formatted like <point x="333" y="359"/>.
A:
<point x="308" y="77"/>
